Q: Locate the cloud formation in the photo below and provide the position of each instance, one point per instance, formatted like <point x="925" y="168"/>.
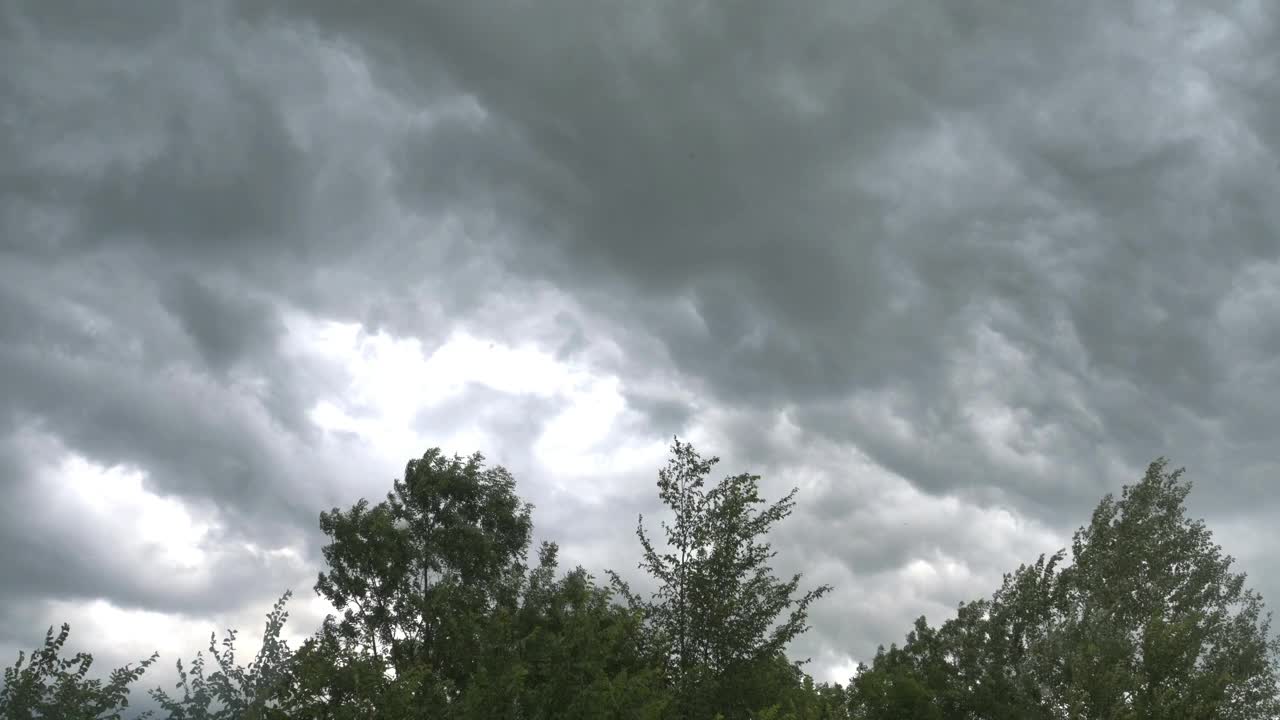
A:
<point x="953" y="269"/>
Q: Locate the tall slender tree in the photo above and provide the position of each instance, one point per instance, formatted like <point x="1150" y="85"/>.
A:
<point x="718" y="611"/>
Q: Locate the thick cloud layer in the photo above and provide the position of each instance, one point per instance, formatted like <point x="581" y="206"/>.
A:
<point x="955" y="270"/>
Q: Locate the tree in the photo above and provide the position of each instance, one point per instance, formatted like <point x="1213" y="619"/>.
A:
<point x="568" y="652"/>
<point x="937" y="673"/>
<point x="790" y="694"/>
<point x="416" y="575"/>
<point x="893" y="689"/>
<point x="232" y="692"/>
<point x="719" y="613"/>
<point x="332" y="678"/>
<point x="1148" y="621"/>
<point x="442" y="618"/>
<point x="50" y="686"/>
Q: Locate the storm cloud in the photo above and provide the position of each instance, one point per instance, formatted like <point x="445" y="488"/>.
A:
<point x="953" y="269"/>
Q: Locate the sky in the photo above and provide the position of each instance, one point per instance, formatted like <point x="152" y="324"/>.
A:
<point x="954" y="270"/>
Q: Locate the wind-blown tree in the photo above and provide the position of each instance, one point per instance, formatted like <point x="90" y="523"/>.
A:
<point x="50" y="686"/>
<point x="1148" y="621"/>
<point x="259" y="691"/>
<point x="719" y="613"/>
<point x="416" y="576"/>
<point x="47" y="685"/>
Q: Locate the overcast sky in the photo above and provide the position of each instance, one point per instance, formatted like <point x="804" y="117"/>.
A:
<point x="953" y="269"/>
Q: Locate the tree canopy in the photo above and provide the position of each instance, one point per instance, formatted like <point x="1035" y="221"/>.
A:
<point x="441" y="614"/>
<point x="1147" y="621"/>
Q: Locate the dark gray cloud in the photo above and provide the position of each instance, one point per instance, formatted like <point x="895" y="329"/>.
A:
<point x="224" y="327"/>
<point x="1089" y="206"/>
<point x="992" y="249"/>
<point x="937" y="264"/>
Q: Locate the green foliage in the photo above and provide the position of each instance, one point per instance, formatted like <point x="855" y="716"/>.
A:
<point x="416" y="575"/>
<point x="1147" y="622"/>
<point x="789" y="694"/>
<point x="567" y="652"/>
<point x="50" y="686"/>
<point x="332" y="680"/>
<point x="1150" y="620"/>
<point x="442" y="618"/>
<point x="719" y="615"/>
<point x="891" y="690"/>
<point x="232" y="692"/>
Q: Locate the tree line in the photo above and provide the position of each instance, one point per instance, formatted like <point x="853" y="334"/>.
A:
<point x="442" y="613"/>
